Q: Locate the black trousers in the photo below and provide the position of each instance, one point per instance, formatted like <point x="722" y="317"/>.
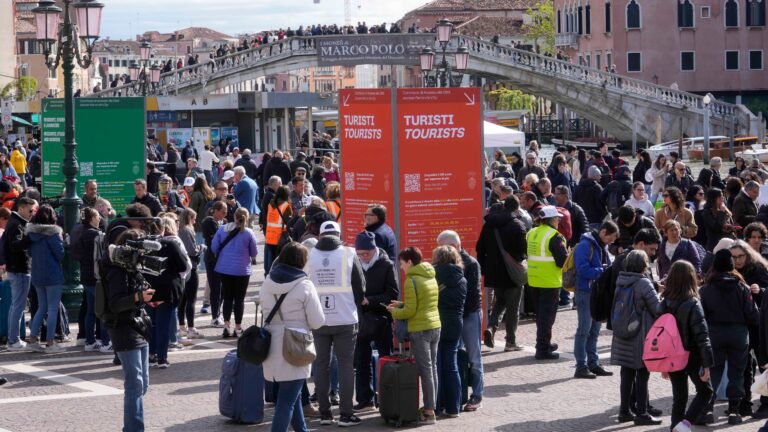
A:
<point x="730" y="343"/>
<point x="634" y="388"/>
<point x="546" y="311"/>
<point x="704" y="392"/>
<point x="364" y="389"/>
<point x="234" y="288"/>
<point x="188" y="299"/>
<point x="507" y="299"/>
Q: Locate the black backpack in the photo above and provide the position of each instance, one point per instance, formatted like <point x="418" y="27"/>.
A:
<point x="601" y="298"/>
<point x="614" y="201"/>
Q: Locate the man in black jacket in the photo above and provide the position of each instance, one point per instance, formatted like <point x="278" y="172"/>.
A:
<point x="277" y="166"/>
<point x="146" y="198"/>
<point x="14" y="245"/>
<point x="248" y="163"/>
<point x="579" y="222"/>
<point x="375" y="321"/>
<point x="507" y="288"/>
<point x="587" y="196"/>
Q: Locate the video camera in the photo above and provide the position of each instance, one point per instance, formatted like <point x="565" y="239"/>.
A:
<point x="54" y="202"/>
<point x="136" y="256"/>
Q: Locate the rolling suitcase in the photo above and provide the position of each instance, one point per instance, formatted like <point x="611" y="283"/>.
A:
<point x="241" y="390"/>
<point x="398" y="379"/>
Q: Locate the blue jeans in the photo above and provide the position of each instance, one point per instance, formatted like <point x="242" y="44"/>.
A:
<point x="19" y="291"/>
<point x="173" y="327"/>
<point x="135" y="365"/>
<point x="470" y="340"/>
<point x="48" y="299"/>
<point x="90" y="318"/>
<point x="449" y="381"/>
<point x="161" y="330"/>
<point x="587" y="331"/>
<point x="288" y="408"/>
<point x="270" y="253"/>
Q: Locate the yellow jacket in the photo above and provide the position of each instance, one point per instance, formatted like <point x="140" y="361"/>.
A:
<point x="419" y="302"/>
<point x="19" y="162"/>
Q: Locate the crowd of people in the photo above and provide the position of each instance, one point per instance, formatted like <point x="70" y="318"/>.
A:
<point x="554" y="232"/>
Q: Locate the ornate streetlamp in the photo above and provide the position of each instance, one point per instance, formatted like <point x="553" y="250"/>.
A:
<point x="443" y="76"/>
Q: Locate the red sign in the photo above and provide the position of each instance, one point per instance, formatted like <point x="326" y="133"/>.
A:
<point x="439" y="165"/>
<point x="365" y="120"/>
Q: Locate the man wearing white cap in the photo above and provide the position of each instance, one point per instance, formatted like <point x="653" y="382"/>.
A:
<point x="338" y="275"/>
<point x="546" y="256"/>
<point x="228" y="176"/>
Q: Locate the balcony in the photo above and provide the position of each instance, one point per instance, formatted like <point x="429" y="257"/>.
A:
<point x="567" y="40"/>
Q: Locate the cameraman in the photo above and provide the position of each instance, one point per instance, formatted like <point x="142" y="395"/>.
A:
<point x="128" y="329"/>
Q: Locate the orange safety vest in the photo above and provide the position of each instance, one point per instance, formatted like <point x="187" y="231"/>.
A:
<point x="334" y="208"/>
<point x="275" y="224"/>
<point x="184" y="197"/>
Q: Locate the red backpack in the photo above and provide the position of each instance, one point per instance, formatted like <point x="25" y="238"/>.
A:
<point x="663" y="350"/>
<point x="564" y="227"/>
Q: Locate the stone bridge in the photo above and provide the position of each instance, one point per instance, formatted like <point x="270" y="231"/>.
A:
<point x="619" y="104"/>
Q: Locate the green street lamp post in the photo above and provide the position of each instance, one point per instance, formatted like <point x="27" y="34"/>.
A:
<point x="146" y="80"/>
<point x="443" y="77"/>
<point x="61" y="47"/>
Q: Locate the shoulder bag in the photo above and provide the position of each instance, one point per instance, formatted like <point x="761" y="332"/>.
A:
<point x="517" y="270"/>
<point x="285" y="236"/>
<point x="232" y="234"/>
<point x="298" y="345"/>
<point x="253" y="345"/>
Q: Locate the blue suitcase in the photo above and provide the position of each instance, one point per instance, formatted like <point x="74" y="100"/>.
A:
<point x="241" y="390"/>
<point x="5" y="309"/>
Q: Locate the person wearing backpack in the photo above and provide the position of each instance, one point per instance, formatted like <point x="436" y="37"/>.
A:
<point x="681" y="299"/>
<point x="618" y="191"/>
<point x="635" y="308"/>
<point x="590" y="260"/>
<point x="730" y="310"/>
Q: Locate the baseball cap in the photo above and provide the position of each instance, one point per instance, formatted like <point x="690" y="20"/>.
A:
<point x="228" y="174"/>
<point x="549" y="212"/>
<point x="331" y="227"/>
<point x="189" y="181"/>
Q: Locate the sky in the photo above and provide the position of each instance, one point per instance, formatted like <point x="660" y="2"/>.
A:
<point x="124" y="19"/>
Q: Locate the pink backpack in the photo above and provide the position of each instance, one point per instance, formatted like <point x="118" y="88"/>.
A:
<point x="663" y="350"/>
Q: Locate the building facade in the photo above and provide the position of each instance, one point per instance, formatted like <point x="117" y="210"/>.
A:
<point x="7" y="44"/>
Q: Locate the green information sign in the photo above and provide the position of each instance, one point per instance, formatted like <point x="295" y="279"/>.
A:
<point x="110" y="146"/>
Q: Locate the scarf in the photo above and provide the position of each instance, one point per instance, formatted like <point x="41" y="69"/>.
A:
<point x="373" y="260"/>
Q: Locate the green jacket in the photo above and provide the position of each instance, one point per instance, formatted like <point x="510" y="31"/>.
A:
<point x="420" y="302"/>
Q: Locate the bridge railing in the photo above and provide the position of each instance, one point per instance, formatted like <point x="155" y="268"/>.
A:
<point x="563" y="69"/>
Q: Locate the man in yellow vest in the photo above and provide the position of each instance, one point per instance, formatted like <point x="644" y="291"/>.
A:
<point x="546" y="255"/>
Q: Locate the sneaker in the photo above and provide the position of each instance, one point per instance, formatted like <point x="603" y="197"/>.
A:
<point x="449" y="415"/>
<point x="625" y="417"/>
<point x="334" y="399"/>
<point x="350" y="420"/>
<point x="163" y="364"/>
<point x="107" y="349"/>
<point x="734" y="418"/>
<point x="152" y="360"/>
<point x="584" y="373"/>
<point x="178" y="346"/>
<point x="488" y="336"/>
<point x="646" y="420"/>
<point x="683" y="426"/>
<point x="36" y="347"/>
<point x="54" y="348"/>
<point x="363" y="406"/>
<point x="473" y="404"/>
<point x="600" y="371"/>
<point x="63" y="339"/>
<point x="218" y="322"/>
<point x="92" y="347"/>
<point x="205" y="309"/>
<point x="310" y="411"/>
<point x="427" y="419"/>
<point x="19" y="345"/>
<point x="326" y="419"/>
<point x="194" y="334"/>
<point x="509" y="347"/>
<point x="185" y="341"/>
<point x="80" y="342"/>
<point x="547" y="356"/>
<point x="236" y="333"/>
<point x="225" y="334"/>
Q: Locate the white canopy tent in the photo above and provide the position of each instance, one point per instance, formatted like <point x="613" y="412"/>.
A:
<point x="505" y="139"/>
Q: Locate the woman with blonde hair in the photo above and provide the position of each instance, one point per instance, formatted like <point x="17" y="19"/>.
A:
<point x="235" y="247"/>
<point x="331" y="170"/>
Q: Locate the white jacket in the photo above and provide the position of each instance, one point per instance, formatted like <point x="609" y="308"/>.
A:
<point x="301" y="310"/>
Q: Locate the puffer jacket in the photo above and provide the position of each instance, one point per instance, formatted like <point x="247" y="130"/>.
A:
<point x="420" y="299"/>
<point x="629" y="352"/>
<point x="727" y="300"/>
<point x="694" y="332"/>
<point x="235" y="257"/>
<point x="590" y="259"/>
<point x="82" y="251"/>
<point x="453" y="293"/>
<point x="46" y="250"/>
<point x="301" y="309"/>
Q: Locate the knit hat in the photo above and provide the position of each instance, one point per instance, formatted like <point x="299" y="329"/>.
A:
<point x="366" y="240"/>
<point x="723" y="261"/>
<point x="594" y="173"/>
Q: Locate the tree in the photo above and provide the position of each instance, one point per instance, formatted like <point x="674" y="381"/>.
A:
<point x="23" y="88"/>
<point x="508" y="100"/>
<point x="541" y="29"/>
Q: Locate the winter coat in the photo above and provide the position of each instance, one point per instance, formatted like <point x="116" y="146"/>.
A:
<point x="629" y="352"/>
<point x="46" y="250"/>
<point x="380" y="285"/>
<point x="169" y="285"/>
<point x="694" y="332"/>
<point x="277" y="167"/>
<point x="620" y="186"/>
<point x="246" y="192"/>
<point x="683" y="184"/>
<point x="151" y="201"/>
<point x="659" y="178"/>
<point x="385" y="238"/>
<point x="15" y="244"/>
<point x="473" y="303"/>
<point x="727" y="300"/>
<point x="754" y="274"/>
<point x="638" y="175"/>
<point x="235" y="257"/>
<point x="590" y="259"/>
<point x="524" y="171"/>
<point x="685" y="250"/>
<point x="512" y="232"/>
<point x="450" y="302"/>
<point x="714" y="226"/>
<point x="683" y="216"/>
<point x="300" y="309"/>
<point x="587" y="196"/>
<point x="82" y="251"/>
<point x="744" y="209"/>
<point x="246" y="162"/>
<point x="627" y="233"/>
<point x="419" y="301"/>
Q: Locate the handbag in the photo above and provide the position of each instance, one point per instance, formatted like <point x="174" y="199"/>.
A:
<point x="401" y="326"/>
<point x="760" y="386"/>
<point x="298" y="345"/>
<point x="517" y="270"/>
<point x="253" y="345"/>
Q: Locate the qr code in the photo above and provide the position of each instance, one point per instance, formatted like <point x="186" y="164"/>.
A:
<point x="349" y="181"/>
<point x="412" y="183"/>
<point x="86" y="168"/>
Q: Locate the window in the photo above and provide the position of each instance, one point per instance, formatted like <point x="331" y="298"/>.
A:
<point x="731" y="60"/>
<point x="755" y="13"/>
<point x="607" y="17"/>
<point x="588" y="19"/>
<point x="598" y="64"/>
<point x="684" y="14"/>
<point x="687" y="61"/>
<point x="634" y="62"/>
<point x="588" y="61"/>
<point x="633" y="15"/>
<point x="608" y="59"/>
<point x="110" y="63"/>
<point x="581" y="20"/>
<point x="559" y="22"/>
<point x="756" y="60"/>
<point x="124" y="63"/>
<point x="731" y="13"/>
<point x="706" y="12"/>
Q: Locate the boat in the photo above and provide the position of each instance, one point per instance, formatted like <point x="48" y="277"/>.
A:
<point x="722" y="147"/>
<point x="759" y="154"/>
<point x="688" y="143"/>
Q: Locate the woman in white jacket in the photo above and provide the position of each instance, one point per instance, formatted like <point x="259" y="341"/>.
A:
<point x="300" y="310"/>
<point x="658" y="175"/>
